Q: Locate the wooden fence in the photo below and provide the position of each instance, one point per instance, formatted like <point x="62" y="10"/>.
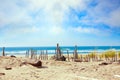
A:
<point x="34" y="54"/>
<point x="59" y="55"/>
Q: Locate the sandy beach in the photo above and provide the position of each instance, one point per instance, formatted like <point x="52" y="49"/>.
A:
<point x="57" y="70"/>
<point x="59" y="39"/>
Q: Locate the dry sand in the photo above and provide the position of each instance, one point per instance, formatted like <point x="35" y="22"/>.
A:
<point x="58" y="70"/>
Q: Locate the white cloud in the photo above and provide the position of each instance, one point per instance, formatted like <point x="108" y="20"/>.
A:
<point x="56" y="30"/>
<point x="13" y="14"/>
<point x="114" y="18"/>
<point x="29" y="30"/>
<point x="105" y="12"/>
<point x="90" y="30"/>
<point x="54" y="11"/>
<point x="85" y="30"/>
<point x="46" y="19"/>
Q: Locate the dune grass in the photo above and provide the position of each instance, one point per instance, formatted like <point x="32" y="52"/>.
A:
<point x="110" y="54"/>
<point x="119" y="54"/>
<point x="94" y="56"/>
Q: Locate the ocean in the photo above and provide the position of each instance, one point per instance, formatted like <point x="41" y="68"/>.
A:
<point x="51" y="50"/>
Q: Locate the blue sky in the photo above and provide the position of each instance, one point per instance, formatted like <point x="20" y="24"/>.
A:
<point x="68" y="22"/>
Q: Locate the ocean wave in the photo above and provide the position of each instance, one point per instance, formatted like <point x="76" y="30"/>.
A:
<point x="14" y="52"/>
<point x="63" y="51"/>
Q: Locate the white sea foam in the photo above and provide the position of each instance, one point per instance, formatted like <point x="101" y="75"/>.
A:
<point x="63" y="51"/>
<point x="15" y="52"/>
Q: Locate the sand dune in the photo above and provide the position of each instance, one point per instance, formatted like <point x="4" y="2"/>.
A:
<point x="57" y="70"/>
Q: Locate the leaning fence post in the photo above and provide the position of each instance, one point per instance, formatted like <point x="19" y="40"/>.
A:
<point x="58" y="52"/>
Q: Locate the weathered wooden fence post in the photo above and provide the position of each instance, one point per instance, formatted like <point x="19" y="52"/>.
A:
<point x="26" y="54"/>
<point x="58" y="52"/>
<point x="32" y="54"/>
<point x="46" y="55"/>
<point x="35" y="53"/>
<point x="75" y="53"/>
<point x="116" y="56"/>
<point x="81" y="57"/>
<point x="88" y="57"/>
<point x="41" y="55"/>
<point x="3" y="53"/>
<point x="68" y="55"/>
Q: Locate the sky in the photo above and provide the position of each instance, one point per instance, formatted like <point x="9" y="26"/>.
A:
<point x="67" y="22"/>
